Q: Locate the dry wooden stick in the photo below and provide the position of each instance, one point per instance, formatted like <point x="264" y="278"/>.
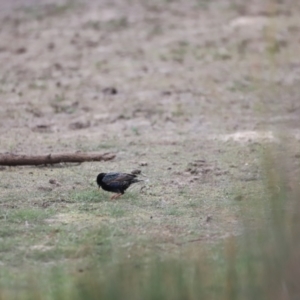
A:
<point x="9" y="159"/>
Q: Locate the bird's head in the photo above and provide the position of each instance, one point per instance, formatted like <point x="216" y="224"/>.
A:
<point x="99" y="178"/>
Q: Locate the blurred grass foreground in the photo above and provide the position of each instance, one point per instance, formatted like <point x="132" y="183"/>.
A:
<point x="261" y="263"/>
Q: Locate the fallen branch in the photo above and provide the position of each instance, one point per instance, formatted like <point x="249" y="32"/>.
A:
<point x="10" y="159"/>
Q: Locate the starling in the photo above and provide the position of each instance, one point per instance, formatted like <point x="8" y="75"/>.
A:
<point x="116" y="182"/>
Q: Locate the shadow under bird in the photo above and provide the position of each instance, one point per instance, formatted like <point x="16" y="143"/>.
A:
<point x="116" y="182"/>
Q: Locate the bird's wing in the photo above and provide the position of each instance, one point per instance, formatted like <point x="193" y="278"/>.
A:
<point x="117" y="177"/>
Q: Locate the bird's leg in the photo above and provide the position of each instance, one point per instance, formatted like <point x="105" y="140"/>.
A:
<point x="115" y="196"/>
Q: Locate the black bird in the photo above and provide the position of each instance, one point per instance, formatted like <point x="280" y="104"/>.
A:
<point x="116" y="182"/>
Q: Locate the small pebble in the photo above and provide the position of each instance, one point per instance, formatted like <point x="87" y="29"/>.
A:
<point x="238" y="198"/>
<point x="21" y="50"/>
<point x="45" y="188"/>
<point x="208" y="219"/>
<point x="136" y="172"/>
<point x="110" y="91"/>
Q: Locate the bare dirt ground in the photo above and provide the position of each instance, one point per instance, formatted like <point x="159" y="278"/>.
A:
<point x="190" y="92"/>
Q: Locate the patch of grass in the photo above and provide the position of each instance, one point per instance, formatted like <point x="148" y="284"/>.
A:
<point x="27" y="215"/>
<point x="114" y="210"/>
<point x="7" y="231"/>
<point x="40" y="12"/>
<point x="242" y="86"/>
<point x="179" y="110"/>
<point x="203" y="4"/>
<point x="91" y="24"/>
<point x="59" y="98"/>
<point x="37" y="86"/>
<point x="184" y="192"/>
<point x="101" y="65"/>
<point x="156" y="30"/>
<point x="6" y="245"/>
<point x="131" y="196"/>
<point x="135" y="130"/>
<point x="111" y="25"/>
<point x="89" y="195"/>
<point x="116" y="24"/>
<point x="222" y="54"/>
<point x="192" y="203"/>
<point x="84" y="146"/>
<point x="106" y="256"/>
<point x="276" y="46"/>
<point x="108" y="145"/>
<point x="179" y="51"/>
<point x="102" y="235"/>
<point x="173" y="211"/>
<point x="48" y="254"/>
<point x="58" y="105"/>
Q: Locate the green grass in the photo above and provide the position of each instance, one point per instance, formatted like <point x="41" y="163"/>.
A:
<point x="26" y="215"/>
<point x="100" y="261"/>
<point x="40" y="12"/>
<point x="173" y="211"/>
<point x="89" y="195"/>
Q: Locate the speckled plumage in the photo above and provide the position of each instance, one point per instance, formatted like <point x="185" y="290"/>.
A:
<point x="116" y="182"/>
